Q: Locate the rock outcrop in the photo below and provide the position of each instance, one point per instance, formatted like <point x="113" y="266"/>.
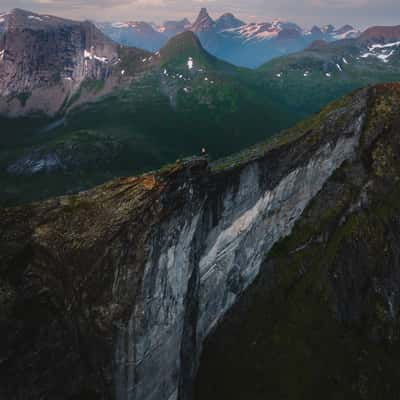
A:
<point x="111" y="293"/>
<point x="45" y="59"/>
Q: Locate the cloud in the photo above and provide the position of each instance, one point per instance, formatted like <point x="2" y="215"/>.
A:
<point x="305" y="12"/>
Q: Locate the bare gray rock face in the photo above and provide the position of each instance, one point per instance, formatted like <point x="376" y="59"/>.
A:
<point x="49" y="56"/>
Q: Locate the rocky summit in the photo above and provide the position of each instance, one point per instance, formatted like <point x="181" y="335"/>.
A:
<point x="44" y="60"/>
<point x="115" y="292"/>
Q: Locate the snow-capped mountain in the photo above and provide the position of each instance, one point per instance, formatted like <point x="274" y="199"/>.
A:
<point x="262" y="31"/>
<point x="229" y="38"/>
<point x="381" y="43"/>
<point x="346" y="32"/>
<point x="375" y="53"/>
<point x="330" y="34"/>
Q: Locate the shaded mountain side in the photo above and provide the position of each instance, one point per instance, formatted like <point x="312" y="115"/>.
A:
<point x="322" y="319"/>
<point x="110" y="294"/>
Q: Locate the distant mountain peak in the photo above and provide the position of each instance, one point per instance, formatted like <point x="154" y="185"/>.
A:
<point x="316" y="30"/>
<point x="345" y="28"/>
<point x="328" y="28"/>
<point x="228" y="21"/>
<point x="204" y="13"/>
<point x="381" y="33"/>
<point x="203" y="22"/>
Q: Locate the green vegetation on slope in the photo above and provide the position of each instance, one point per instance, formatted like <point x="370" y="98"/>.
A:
<point x="308" y="80"/>
<point x="154" y="120"/>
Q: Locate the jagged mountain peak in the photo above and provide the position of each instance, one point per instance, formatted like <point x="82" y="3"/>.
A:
<point x="328" y="28"/>
<point x="316" y="30"/>
<point x="344" y="28"/>
<point x="203" y="22"/>
<point x="182" y="47"/>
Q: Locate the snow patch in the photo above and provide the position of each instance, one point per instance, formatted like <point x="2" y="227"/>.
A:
<point x="35" y="18"/>
<point x="345" y="61"/>
<point x="351" y="34"/>
<point x="120" y="25"/>
<point x="383" y="46"/>
<point x="190" y="63"/>
<point x="381" y="51"/>
<point x="3" y="17"/>
<point x="92" y="56"/>
<point x="328" y="74"/>
<point x="339" y="68"/>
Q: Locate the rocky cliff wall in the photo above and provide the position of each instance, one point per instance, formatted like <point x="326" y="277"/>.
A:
<point x="120" y="285"/>
<point x="322" y="318"/>
<point x="44" y="60"/>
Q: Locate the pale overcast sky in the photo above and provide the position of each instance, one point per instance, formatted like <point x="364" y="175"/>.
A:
<point x="361" y="13"/>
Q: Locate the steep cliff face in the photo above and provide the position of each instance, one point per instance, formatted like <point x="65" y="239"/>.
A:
<point x="111" y="293"/>
<point x="43" y="59"/>
<point x="322" y="319"/>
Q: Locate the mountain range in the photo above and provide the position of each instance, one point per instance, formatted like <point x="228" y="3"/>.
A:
<point x="78" y="109"/>
<point x="228" y="38"/>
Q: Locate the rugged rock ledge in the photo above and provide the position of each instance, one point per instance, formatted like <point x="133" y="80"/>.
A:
<point x="111" y="293"/>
